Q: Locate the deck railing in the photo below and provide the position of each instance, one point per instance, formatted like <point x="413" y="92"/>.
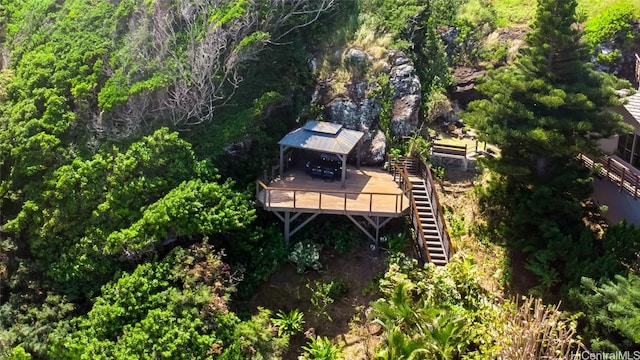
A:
<point x="614" y="171"/>
<point x="265" y="194"/>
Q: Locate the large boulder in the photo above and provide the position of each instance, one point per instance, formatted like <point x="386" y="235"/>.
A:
<point x="406" y="96"/>
<point x="356" y="116"/>
<point x="362" y="116"/>
<point x="377" y="148"/>
<point x="357" y="109"/>
<point x="404" y="115"/>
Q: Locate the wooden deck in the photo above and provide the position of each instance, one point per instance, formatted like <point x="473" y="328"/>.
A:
<point x="368" y="192"/>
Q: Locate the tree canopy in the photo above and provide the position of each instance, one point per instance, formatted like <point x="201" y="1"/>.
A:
<point x="548" y="106"/>
<point x="541" y="112"/>
<point x="127" y="226"/>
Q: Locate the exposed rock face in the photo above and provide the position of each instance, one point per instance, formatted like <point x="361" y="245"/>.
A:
<point x="355" y="116"/>
<point x="404" y="118"/>
<point x="356" y="110"/>
<point x="465" y="90"/>
<point x="355" y="56"/>
<point x="378" y="148"/>
<point x="406" y="95"/>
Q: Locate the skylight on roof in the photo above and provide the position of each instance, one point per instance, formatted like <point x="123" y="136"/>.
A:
<point x="322" y="127"/>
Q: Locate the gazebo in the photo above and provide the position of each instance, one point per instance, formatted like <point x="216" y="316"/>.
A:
<point x="323" y="137"/>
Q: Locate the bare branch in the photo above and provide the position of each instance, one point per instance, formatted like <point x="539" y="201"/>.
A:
<point x="190" y="58"/>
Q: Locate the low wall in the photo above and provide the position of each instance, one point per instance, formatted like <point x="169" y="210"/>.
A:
<point x="453" y="162"/>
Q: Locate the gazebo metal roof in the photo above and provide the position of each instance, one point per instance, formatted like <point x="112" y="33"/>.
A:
<point x="322" y="136"/>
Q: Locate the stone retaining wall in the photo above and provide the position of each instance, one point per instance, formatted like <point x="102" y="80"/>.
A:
<point x="449" y="162"/>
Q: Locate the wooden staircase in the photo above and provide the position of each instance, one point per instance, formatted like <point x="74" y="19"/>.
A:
<point x="426" y="216"/>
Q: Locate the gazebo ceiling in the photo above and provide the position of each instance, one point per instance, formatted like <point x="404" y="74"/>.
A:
<point x="322" y="136"/>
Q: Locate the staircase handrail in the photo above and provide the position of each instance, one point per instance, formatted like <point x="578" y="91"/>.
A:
<point x="395" y="169"/>
<point x="425" y="173"/>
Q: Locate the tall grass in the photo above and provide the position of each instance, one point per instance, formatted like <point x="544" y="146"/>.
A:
<point x="514" y="12"/>
<point x="591" y="8"/>
<point x="522" y="12"/>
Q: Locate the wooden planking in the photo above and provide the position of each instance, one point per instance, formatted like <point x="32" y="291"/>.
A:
<point x="369" y="191"/>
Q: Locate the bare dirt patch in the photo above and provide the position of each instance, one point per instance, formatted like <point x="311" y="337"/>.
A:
<point x="359" y="269"/>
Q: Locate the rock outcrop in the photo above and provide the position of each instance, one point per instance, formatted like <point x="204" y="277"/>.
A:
<point x="357" y="109"/>
<point x="406" y="96"/>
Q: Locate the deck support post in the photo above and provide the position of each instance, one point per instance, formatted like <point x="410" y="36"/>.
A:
<point x="281" y="160"/>
<point x="344" y="170"/>
<point x="359" y="150"/>
<point x="376" y="221"/>
<point x="287" y="219"/>
<point x="287" y="225"/>
<point x="281" y="170"/>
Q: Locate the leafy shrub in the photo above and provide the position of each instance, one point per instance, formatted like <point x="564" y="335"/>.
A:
<point x="437" y="172"/>
<point x="324" y="294"/>
<point x="254" y="339"/>
<point x="338" y="289"/>
<point x="372" y="285"/>
<point x="395" y="242"/>
<point x="289" y="323"/>
<point x="457" y="225"/>
<point x="495" y="53"/>
<point x="18" y="353"/>
<point x="614" y="26"/>
<point x="321" y="348"/>
<point x="306" y="255"/>
<point x="419" y="147"/>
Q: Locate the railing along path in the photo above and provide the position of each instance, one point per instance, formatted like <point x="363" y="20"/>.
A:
<point x="615" y="172"/>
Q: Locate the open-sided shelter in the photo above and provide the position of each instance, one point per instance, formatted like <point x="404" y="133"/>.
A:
<point x="323" y="137"/>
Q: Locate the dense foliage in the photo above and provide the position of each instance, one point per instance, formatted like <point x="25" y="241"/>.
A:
<point x="97" y="187"/>
<point x="542" y="112"/>
<point x="443" y="313"/>
<point x="131" y="130"/>
<point x="610" y="32"/>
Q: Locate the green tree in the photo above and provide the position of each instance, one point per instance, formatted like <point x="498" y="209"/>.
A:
<point x="541" y="112"/>
<point x="612" y="312"/>
<point x="175" y="308"/>
<point x="550" y="105"/>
